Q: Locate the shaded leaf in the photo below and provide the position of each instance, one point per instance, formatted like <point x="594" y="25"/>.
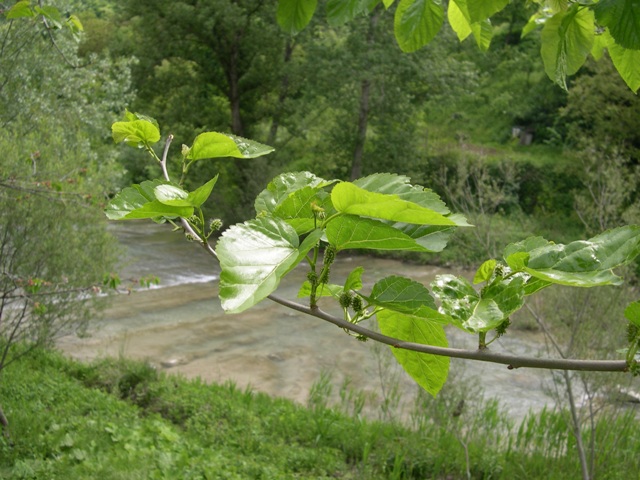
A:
<point x="341" y="11"/>
<point x="324" y="290"/>
<point x="294" y="15"/>
<point x="429" y="371"/>
<point x="354" y="279"/>
<point x="417" y="22"/>
<point x="632" y="313"/>
<point x="20" y="10"/>
<point x="622" y="19"/>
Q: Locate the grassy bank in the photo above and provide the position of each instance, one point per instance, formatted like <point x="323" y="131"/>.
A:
<point x="123" y="420"/>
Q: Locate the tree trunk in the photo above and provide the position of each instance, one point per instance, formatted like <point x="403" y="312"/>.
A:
<point x="284" y="91"/>
<point x="363" y="115"/>
<point x="233" y="77"/>
<point x="363" y="120"/>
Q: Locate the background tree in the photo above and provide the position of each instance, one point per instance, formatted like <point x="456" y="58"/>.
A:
<point x="57" y="169"/>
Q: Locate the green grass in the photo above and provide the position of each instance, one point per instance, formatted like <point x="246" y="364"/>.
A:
<point x="118" y="419"/>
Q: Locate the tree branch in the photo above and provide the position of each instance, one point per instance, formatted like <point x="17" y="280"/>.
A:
<point x="484" y="355"/>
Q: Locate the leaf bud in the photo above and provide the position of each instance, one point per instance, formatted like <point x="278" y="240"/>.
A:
<point x="345" y="299"/>
<point x="215" y="224"/>
<point x="312" y="277"/>
<point x="356" y="304"/>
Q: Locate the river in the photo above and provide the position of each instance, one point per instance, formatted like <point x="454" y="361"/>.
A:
<point x="179" y="327"/>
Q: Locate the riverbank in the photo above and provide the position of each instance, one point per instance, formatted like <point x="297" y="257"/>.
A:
<point x="118" y="419"/>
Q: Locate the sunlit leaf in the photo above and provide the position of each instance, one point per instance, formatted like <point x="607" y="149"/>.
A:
<point x="254" y="256"/>
<point x="393" y="184"/>
<point x="417" y="22"/>
<point x="139" y="201"/>
<point x="458" y="21"/>
<point x="202" y="193"/>
<point x="135" y="132"/>
<point x="627" y="62"/>
<point x="485" y="271"/>
<point x="429" y="371"/>
<point x="349" y="198"/>
<point x="172" y="195"/>
<point x="279" y="189"/>
<point x="567" y="38"/>
<point x="216" y="145"/>
<point x="349" y="231"/>
<point x="584" y="263"/>
<point x="474" y="312"/>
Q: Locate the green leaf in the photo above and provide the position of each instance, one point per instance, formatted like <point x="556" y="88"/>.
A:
<point x="254" y="256"/>
<point x="324" y="290"/>
<point x="202" y="193"/>
<point x="632" y="313"/>
<point x="627" y="62"/>
<point x="294" y="15"/>
<point x="622" y="19"/>
<point x="458" y="21"/>
<point x="279" y="189"/>
<point x="481" y="10"/>
<point x="417" y="22"/>
<point x="349" y="198"/>
<point x="484" y="273"/>
<point x="341" y="11"/>
<point x="52" y="14"/>
<point x="354" y="280"/>
<point x="216" y="145"/>
<point x="349" y="231"/>
<point x="138" y="201"/>
<point x="584" y="263"/>
<point x="407" y="296"/>
<point x="483" y="33"/>
<point x="429" y="371"/>
<point x="172" y="195"/>
<point x="75" y="24"/>
<point x="393" y="184"/>
<point x="135" y="133"/>
<point x="567" y="38"/>
<point x="476" y="313"/>
<point x="430" y="237"/>
<point x="296" y="208"/>
<point x="20" y="10"/>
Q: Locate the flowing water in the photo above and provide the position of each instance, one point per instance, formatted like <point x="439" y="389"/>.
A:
<point x="180" y="327"/>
